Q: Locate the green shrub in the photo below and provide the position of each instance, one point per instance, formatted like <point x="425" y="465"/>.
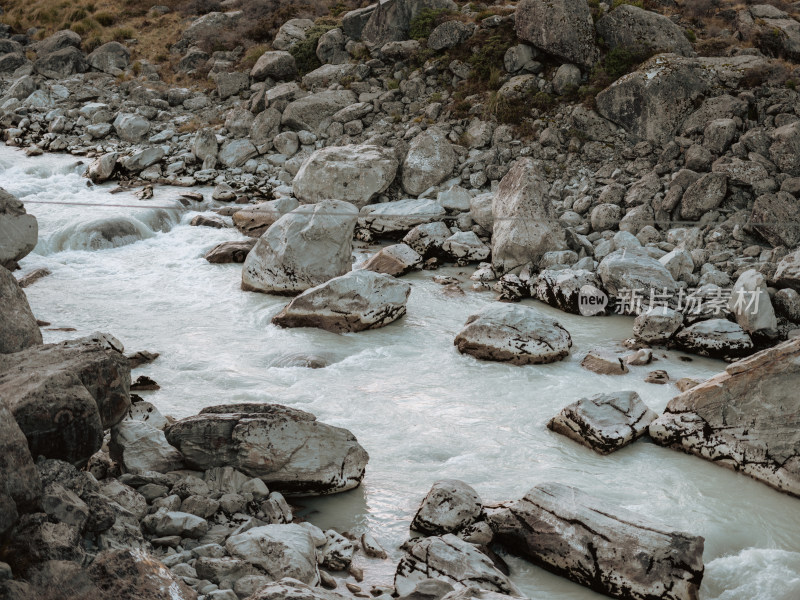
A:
<point x="105" y="19"/>
<point x="425" y="22"/>
<point x="487" y="58"/>
<point x="636" y="3"/>
<point x="690" y="35"/>
<point x="305" y="52"/>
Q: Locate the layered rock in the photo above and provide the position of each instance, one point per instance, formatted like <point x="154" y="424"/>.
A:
<point x="606" y="548"/>
<point x="286" y="448"/>
<point x="302" y="249"/>
<point x="604" y="422"/>
<point x="356" y="301"/>
<point x="516" y="334"/>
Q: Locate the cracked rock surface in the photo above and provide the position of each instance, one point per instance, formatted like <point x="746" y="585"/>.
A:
<point x="449" y="506"/>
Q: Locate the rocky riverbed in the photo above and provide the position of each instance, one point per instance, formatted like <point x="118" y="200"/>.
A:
<point x="300" y="302"/>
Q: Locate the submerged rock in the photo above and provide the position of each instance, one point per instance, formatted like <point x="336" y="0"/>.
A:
<point x="356" y="301"/>
<point x="604" y="422"/>
<point x="746" y="419"/>
<point x="608" y="549"/>
<point x="230" y="252"/>
<point x="516" y="334"/>
<point x="449" y="506"/>
<point x="288" y="449"/>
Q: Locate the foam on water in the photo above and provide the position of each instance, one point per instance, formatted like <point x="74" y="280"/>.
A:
<point x="422" y="410"/>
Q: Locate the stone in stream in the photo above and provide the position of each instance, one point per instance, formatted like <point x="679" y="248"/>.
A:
<point x="65" y="395"/>
<point x="337" y="553"/>
<point x="287" y="448"/>
<point x="626" y="270"/>
<point x="611" y="550"/>
<point x="525" y="226"/>
<point x="427" y="239"/>
<point x="355" y="174"/>
<point x="304" y="248"/>
<point x="716" y="338"/>
<point x="20" y="485"/>
<point x="254" y="220"/>
<point x="19" y="231"/>
<point x="657" y="325"/>
<point x="395" y="260"/>
<point x="450" y="559"/>
<point x="604" y="362"/>
<point x="280" y="550"/>
<point x="562" y="288"/>
<point x="604" y="422"/>
<point x="356" y="301"/>
<point x="17" y="323"/>
<point x="451" y="505"/>
<point x="230" y="252"/>
<point x="746" y="418"/>
<point x="516" y="334"/>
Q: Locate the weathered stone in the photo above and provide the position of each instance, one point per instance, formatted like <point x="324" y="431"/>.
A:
<point x="604" y="362"/>
<point x="280" y="550"/>
<point x="61" y="63"/>
<point x="608" y="549"/>
<point x="704" y="195"/>
<point x="102" y="168"/>
<point x="395" y="260"/>
<point x="286" y="448"/>
<point x="657" y="325"/>
<point x="717" y="338"/>
<point x="234" y="153"/>
<point x="745" y="418"/>
<point x="516" y="334"/>
<point x="135" y="575"/>
<point x="291" y="32"/>
<point x="254" y="220"/>
<point x="20" y="486"/>
<point x="302" y="249"/>
<point x="19" y="231"/>
<point x="449" y="506"/>
<point x="751" y="305"/>
<point x="19" y="327"/>
<point x="564" y="29"/>
<point x="631" y="269"/>
<point x="604" y="422"/>
<point x="449" y="34"/>
<point x="291" y="589"/>
<point x="636" y="29"/>
<point x="400" y="216"/>
<point x="356" y="301"/>
<point x="277" y="65"/>
<point x="785" y="148"/>
<point x="35" y="540"/>
<point x="776" y="217"/>
<point x="466" y="246"/>
<point x="427" y="239"/>
<point x="337" y="553"/>
<point x="139" y="446"/>
<point x="111" y="58"/>
<point x="131" y="127"/>
<point x="788" y="272"/>
<point x="230" y="252"/>
<point x="391" y="19"/>
<point x="315" y="112"/>
<point x="429" y="161"/>
<point x="164" y="522"/>
<point x="562" y="288"/>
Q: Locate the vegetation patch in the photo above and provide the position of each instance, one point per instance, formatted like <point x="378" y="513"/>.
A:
<point x="426" y="21"/>
<point x="305" y="52"/>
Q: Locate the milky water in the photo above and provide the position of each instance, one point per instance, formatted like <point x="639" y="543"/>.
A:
<point x="422" y="410"/>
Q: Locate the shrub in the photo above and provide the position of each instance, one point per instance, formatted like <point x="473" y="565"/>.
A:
<point x="105" y="19"/>
<point x="200" y="7"/>
<point x="305" y="52"/>
<point x="122" y="34"/>
<point x="636" y="3"/>
<point x="425" y="22"/>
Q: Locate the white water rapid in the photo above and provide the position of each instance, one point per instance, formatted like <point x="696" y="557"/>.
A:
<point x="422" y="410"/>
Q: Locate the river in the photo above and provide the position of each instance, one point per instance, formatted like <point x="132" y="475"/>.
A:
<point x="422" y="410"/>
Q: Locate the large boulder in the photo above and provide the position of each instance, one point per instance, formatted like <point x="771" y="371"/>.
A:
<point x="391" y="19"/>
<point x="561" y="288"/>
<point x="604" y="422"/>
<point x="61" y="63"/>
<point x="288" y="449"/>
<point x="751" y="305"/>
<point x="513" y="333"/>
<point x="20" y="486"/>
<point x="280" y="550"/>
<point x="785" y="146"/>
<point x="355" y="301"/>
<point x="525" y="225"/>
<point x="639" y="30"/>
<point x="392" y="218"/>
<point x="653" y="101"/>
<point x="746" y="419"/>
<point x="138" y="446"/>
<point x="788" y="272"/>
<point x="111" y="58"/>
<point x="631" y="276"/>
<point x="131" y="127"/>
<point x="277" y="65"/>
<point x="450" y="559"/>
<point x="314" y="112"/>
<point x="19" y="231"/>
<point x="130" y="574"/>
<point x="429" y="161"/>
<point x="302" y="249"/>
<point x="65" y="395"/>
<point x="776" y="218"/>
<point x="449" y="506"/>
<point x="563" y="29"/>
<point x="234" y="153"/>
<point x="355" y="174"/>
<point x="704" y="195"/>
<point x="717" y="338"/>
<point x="17" y="322"/>
<point x="657" y="325"/>
<point x="606" y="548"/>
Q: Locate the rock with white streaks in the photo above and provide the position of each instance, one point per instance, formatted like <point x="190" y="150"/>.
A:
<point x="717" y="338"/>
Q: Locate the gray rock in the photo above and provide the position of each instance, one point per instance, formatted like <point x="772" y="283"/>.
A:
<point x="429" y="161"/>
<point x="61" y="63"/>
<point x="302" y="249"/>
<point x="265" y="126"/>
<point x="634" y="269"/>
<point x="566" y="78"/>
<point x="465" y="246"/>
<point x="131" y="127"/>
<point x="164" y="523"/>
<point x="604" y="422"/>
<point x="395" y="260"/>
<point x="451" y="505"/>
<point x="525" y="226"/>
<point x="330" y="48"/>
<point x="636" y="29"/>
<point x="144" y="577"/>
<point x="142" y="159"/>
<point x="427" y="239"/>
<point x="785" y="148"/>
<point x="205" y="146"/>
<point x="657" y="325"/>
<point x="564" y="29"/>
<point x="717" y="338"/>
<point x="314" y="112"/>
<point x="449" y="34"/>
<point x="231" y="84"/>
<point x="291" y="589"/>
<point x="606" y="216"/>
<point x="337" y="553"/>
<point x="745" y="418"/>
<point x="775" y="217"/>
<point x="291" y="32"/>
<point x="280" y="550"/>
<point x="256" y="219"/>
<point x="277" y="65"/>
<point x="111" y="58"/>
<point x="19" y="326"/>
<point x="704" y="195"/>
<point x="600" y="546"/>
<point x="139" y="446"/>
<point x="512" y="333"/>
<point x="20" y="485"/>
<point x="234" y="153"/>
<point x="562" y="288"/>
<point x="719" y="134"/>
<point x="787" y="304"/>
<point x="391" y="19"/>
<point x="356" y="301"/>
<point x="788" y="272"/>
<point x="751" y="305"/>
<point x="399" y="216"/>
<point x="286" y="448"/>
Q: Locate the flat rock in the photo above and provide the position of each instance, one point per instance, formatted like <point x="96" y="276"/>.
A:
<point x="717" y="338"/>
<point x="391" y="218"/>
<point x="604" y="422"/>
<point x="604" y="362"/>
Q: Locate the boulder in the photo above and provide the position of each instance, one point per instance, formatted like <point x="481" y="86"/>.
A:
<point x="704" y="195"/>
<point x="355" y="174"/>
<point x="745" y="418"/>
<point x="355" y="301"/>
<point x="140" y="160"/>
<point x="611" y="550"/>
<point x="292" y="589"/>
<point x="678" y="262"/>
<point x="657" y="325"/>
<point x="751" y="305"/>
<point x="65" y="395"/>
<point x="776" y="218"/>
<point x="449" y="34"/>
<point x="785" y="146"/>
<point x="788" y="272"/>
<point x="58" y="41"/>
<point x="604" y="362"/>
<point x="254" y="220"/>
<point x="230" y="252"/>
<point x="61" y="63"/>
<point x="391" y="19"/>
<point x="392" y="218"/>
<point x="639" y="30"/>
<point x="337" y="553"/>
<point x="205" y="146"/>
<point x="513" y="333"/>
<point x="164" y="522"/>
<point x="111" y="58"/>
<point x="265" y="126"/>
<point x="562" y="288"/>
<point x="427" y="239"/>
<point x="302" y="249"/>
<point x="563" y="29"/>
<point x="277" y="65"/>
<point x="330" y="48"/>
<point x="625" y="271"/>
<point x="288" y="449"/>
<point x="429" y="161"/>
<point x="20" y="486"/>
<point x="280" y="550"/>
<point x="19" y="327"/>
<point x="449" y="506"/>
<point x="130" y="574"/>
<point x="465" y="247"/>
<point x="19" y="231"/>
<point x="64" y="506"/>
<point x="604" y="422"/>
<point x="35" y="540"/>
<point x="450" y="559"/>
<point x="395" y="260"/>
<point x="525" y="225"/>
<point x="314" y="112"/>
<point x="102" y="168"/>
<point x="717" y="338"/>
<point x="234" y="153"/>
<point x="139" y="446"/>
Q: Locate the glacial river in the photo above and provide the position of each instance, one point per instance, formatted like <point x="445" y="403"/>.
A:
<point x="422" y="410"/>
